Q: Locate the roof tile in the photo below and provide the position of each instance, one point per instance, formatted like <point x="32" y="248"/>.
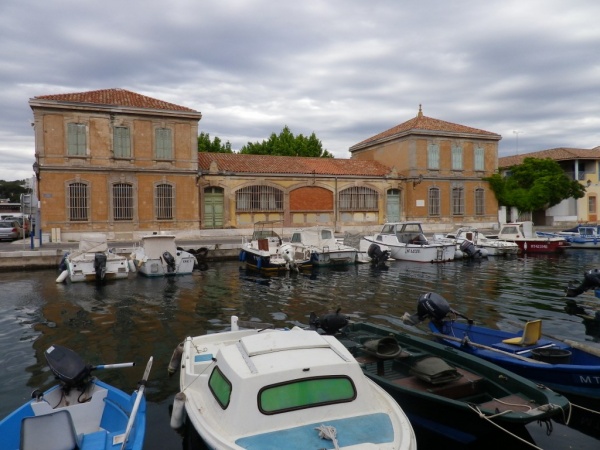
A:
<point x="557" y="154"/>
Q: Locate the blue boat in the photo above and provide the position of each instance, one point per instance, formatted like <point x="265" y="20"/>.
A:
<point x="566" y="366"/>
<point x="81" y="412"/>
<point x="581" y="236"/>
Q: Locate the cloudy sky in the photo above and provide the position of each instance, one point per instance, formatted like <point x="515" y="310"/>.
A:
<point x="528" y="70"/>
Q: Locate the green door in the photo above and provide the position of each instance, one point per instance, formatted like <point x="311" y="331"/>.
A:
<point x="213" y="207"/>
<point x="393" y="206"/>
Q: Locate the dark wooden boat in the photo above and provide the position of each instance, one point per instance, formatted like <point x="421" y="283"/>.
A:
<point x="446" y="390"/>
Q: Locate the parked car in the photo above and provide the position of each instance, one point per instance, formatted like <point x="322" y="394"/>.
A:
<point x="24" y="223"/>
<point x="10" y="230"/>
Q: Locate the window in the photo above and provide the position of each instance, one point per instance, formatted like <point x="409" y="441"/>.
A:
<point x="259" y="198"/>
<point x="457" y="157"/>
<point x="163" y="144"/>
<point x="592" y="204"/>
<point x="433" y="156"/>
<point x="78" y="202"/>
<point x="479" y="159"/>
<point x="163" y="197"/>
<point x="305" y="393"/>
<point x="458" y="201"/>
<point x="121" y="142"/>
<point x="479" y="202"/>
<point x="122" y="201"/>
<point x="76" y="139"/>
<point x="220" y="387"/>
<point x="434" y="202"/>
<point x="358" y="198"/>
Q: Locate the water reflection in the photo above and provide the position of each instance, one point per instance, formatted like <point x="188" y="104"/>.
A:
<point x="129" y="320"/>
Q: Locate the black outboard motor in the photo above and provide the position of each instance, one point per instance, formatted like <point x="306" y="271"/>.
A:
<point x="433" y="306"/>
<point x="378" y="256"/>
<point x="68" y="367"/>
<point x="170" y="260"/>
<point x="100" y="266"/>
<point x="591" y="280"/>
<point x="330" y="323"/>
<point x="469" y="249"/>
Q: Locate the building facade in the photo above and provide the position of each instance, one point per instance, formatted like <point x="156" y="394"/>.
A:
<point x="115" y="161"/>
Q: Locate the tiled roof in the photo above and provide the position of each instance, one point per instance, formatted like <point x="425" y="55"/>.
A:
<point x="423" y="124"/>
<point x="115" y="97"/>
<point x="242" y="163"/>
<point x="557" y="154"/>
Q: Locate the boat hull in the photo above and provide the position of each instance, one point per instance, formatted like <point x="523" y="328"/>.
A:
<point x="98" y="423"/>
<point x="579" y="376"/>
<point x="532" y="246"/>
<point x="264" y="262"/>
<point x="430" y="253"/>
<point x="157" y="267"/>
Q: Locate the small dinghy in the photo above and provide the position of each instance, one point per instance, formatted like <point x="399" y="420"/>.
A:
<point x="81" y="412"/>
<point x="283" y="389"/>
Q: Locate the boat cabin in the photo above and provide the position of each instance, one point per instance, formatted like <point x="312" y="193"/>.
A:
<point x="517" y="230"/>
<point x="405" y="232"/>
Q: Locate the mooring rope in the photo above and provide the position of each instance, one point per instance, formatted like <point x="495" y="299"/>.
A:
<point x="328" y="432"/>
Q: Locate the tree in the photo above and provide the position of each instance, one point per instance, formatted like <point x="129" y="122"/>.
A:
<point x="205" y="145"/>
<point x="534" y="184"/>
<point x="12" y="190"/>
<point x="286" y="144"/>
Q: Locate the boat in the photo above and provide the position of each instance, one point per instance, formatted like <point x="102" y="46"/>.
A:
<point x="492" y="247"/>
<point x="80" y="412"/>
<point x="325" y="249"/>
<point x="93" y="261"/>
<point x="272" y="388"/>
<point x="406" y="241"/>
<point x="266" y="252"/>
<point x="157" y="255"/>
<point x="569" y="367"/>
<point x="581" y="236"/>
<point x="521" y="233"/>
<point x="443" y="390"/>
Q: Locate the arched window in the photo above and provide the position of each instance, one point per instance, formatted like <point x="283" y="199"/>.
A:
<point x="358" y="198"/>
<point x="259" y="198"/>
<point x="122" y="197"/>
<point x="78" y="201"/>
<point x="164" y="200"/>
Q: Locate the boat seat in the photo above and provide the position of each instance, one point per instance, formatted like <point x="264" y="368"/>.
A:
<point x="531" y="334"/>
<point x="53" y="431"/>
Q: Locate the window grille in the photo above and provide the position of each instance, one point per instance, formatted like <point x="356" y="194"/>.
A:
<point x="122" y="201"/>
<point x="76" y="139"/>
<point x="434" y="202"/>
<point x="77" y="198"/>
<point x="433" y="156"/>
<point x="164" y="202"/>
<point x="259" y="198"/>
<point x="457" y="157"/>
<point x="458" y="201"/>
<point x="163" y="143"/>
<point x="479" y="159"/>
<point x="358" y="198"/>
<point x="122" y="142"/>
<point x="479" y="202"/>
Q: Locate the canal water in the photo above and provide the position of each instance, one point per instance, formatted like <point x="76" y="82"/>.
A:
<point x="130" y="320"/>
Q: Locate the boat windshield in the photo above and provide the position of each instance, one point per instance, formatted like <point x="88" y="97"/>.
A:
<point x="305" y="393"/>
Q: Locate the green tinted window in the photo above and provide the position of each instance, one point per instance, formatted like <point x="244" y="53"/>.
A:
<point x="220" y="387"/>
<point x="305" y="394"/>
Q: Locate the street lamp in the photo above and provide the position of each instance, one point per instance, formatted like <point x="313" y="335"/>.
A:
<point x="517" y="132"/>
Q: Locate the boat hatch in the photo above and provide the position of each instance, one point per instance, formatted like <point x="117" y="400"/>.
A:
<point x="273" y="342"/>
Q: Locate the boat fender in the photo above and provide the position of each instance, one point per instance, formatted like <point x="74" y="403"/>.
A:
<point x="63" y="276"/>
<point x="131" y="265"/>
<point x="242" y="256"/>
<point x="178" y="412"/>
<point x="175" y="359"/>
<point x="259" y="262"/>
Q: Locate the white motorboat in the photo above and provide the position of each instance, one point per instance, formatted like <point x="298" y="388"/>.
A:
<point x="93" y="261"/>
<point x="158" y="255"/>
<point x="325" y="249"/>
<point x="493" y="247"/>
<point x="521" y="233"/>
<point x="274" y="389"/>
<point x="266" y="252"/>
<point x="406" y="241"/>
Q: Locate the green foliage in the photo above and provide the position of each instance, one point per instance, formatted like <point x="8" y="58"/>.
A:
<point x="286" y="144"/>
<point x="12" y="190"/>
<point x="205" y="144"/>
<point x="534" y="184"/>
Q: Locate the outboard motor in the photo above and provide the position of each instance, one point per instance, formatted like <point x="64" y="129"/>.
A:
<point x="330" y="323"/>
<point x="170" y="261"/>
<point x="591" y="280"/>
<point x="100" y="266"/>
<point x="378" y="256"/>
<point x="68" y="366"/>
<point x="433" y="306"/>
<point x="469" y="249"/>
